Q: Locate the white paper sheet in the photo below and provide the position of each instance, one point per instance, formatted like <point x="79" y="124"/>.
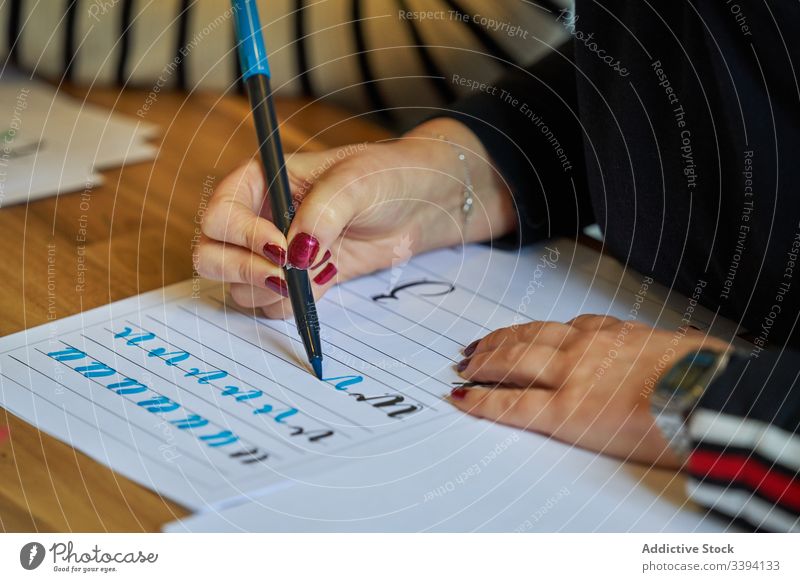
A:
<point x="480" y="478"/>
<point x="184" y="393"/>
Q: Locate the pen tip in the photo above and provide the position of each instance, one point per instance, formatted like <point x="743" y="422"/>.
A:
<point x="316" y="363"/>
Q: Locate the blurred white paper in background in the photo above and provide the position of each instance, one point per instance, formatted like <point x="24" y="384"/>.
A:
<point x="52" y="143"/>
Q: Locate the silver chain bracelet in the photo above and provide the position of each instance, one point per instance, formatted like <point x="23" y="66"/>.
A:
<point x="469" y="193"/>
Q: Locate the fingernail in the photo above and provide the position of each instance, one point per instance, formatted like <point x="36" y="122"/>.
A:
<point x="462" y="365"/>
<point x="278" y="285"/>
<point x="471" y="348"/>
<point x="324" y="259"/>
<point x="325" y="274"/>
<point x="458" y="393"/>
<point x="275" y="254"/>
<point x="303" y="250"/>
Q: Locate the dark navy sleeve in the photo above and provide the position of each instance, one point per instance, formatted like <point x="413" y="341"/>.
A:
<point x="528" y="122"/>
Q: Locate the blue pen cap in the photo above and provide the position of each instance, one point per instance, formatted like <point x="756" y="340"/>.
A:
<point x="252" y="53"/>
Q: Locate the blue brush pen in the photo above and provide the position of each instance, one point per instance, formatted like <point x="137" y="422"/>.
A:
<point x="255" y="73"/>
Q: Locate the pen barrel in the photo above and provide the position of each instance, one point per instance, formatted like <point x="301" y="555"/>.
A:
<point x="305" y="310"/>
<point x="271" y="151"/>
<point x="283" y="208"/>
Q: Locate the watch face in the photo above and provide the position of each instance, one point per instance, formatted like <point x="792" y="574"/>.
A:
<point x="677" y="393"/>
<point x="688" y="374"/>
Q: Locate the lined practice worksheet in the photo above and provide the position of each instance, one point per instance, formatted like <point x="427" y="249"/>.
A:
<point x="208" y="403"/>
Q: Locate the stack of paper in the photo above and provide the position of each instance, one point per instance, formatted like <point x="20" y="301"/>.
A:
<point x="51" y="143"/>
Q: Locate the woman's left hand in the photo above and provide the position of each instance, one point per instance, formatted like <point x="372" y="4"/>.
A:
<point x="587" y="382"/>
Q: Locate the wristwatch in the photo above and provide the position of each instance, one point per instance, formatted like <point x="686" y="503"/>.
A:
<point x="679" y="390"/>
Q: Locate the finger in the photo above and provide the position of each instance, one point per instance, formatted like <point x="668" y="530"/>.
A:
<point x="518" y="364"/>
<point x="232" y="264"/>
<point x="324" y="214"/>
<point x="548" y="333"/>
<point x="252" y="297"/>
<point x="591" y="322"/>
<point x="492" y="341"/>
<point x="527" y="408"/>
<point x="282" y="309"/>
<point x="232" y="215"/>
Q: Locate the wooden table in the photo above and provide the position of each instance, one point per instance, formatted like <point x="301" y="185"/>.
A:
<point x="140" y="226"/>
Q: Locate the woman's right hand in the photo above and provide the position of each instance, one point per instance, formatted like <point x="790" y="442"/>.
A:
<point x="358" y="209"/>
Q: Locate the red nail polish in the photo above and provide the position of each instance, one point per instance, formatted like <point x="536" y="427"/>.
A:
<point x="325" y="274"/>
<point x="278" y="285"/>
<point x="458" y="393"/>
<point x="462" y="365"/>
<point x="322" y="261"/>
<point x="303" y="250"/>
<point x="471" y="348"/>
<point x="275" y="254"/>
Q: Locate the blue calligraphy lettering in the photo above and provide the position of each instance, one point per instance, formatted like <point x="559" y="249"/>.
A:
<point x="127" y="386"/>
<point x="95" y="370"/>
<point x="205" y="377"/>
<point x="174" y="357"/>
<point x="235" y="390"/>
<point x="192" y="421"/>
<point x="66" y="355"/>
<point x="343" y="382"/>
<point x="159" y="404"/>
<point x="136" y="339"/>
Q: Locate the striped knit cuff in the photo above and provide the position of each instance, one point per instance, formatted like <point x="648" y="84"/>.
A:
<point x="746" y="457"/>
